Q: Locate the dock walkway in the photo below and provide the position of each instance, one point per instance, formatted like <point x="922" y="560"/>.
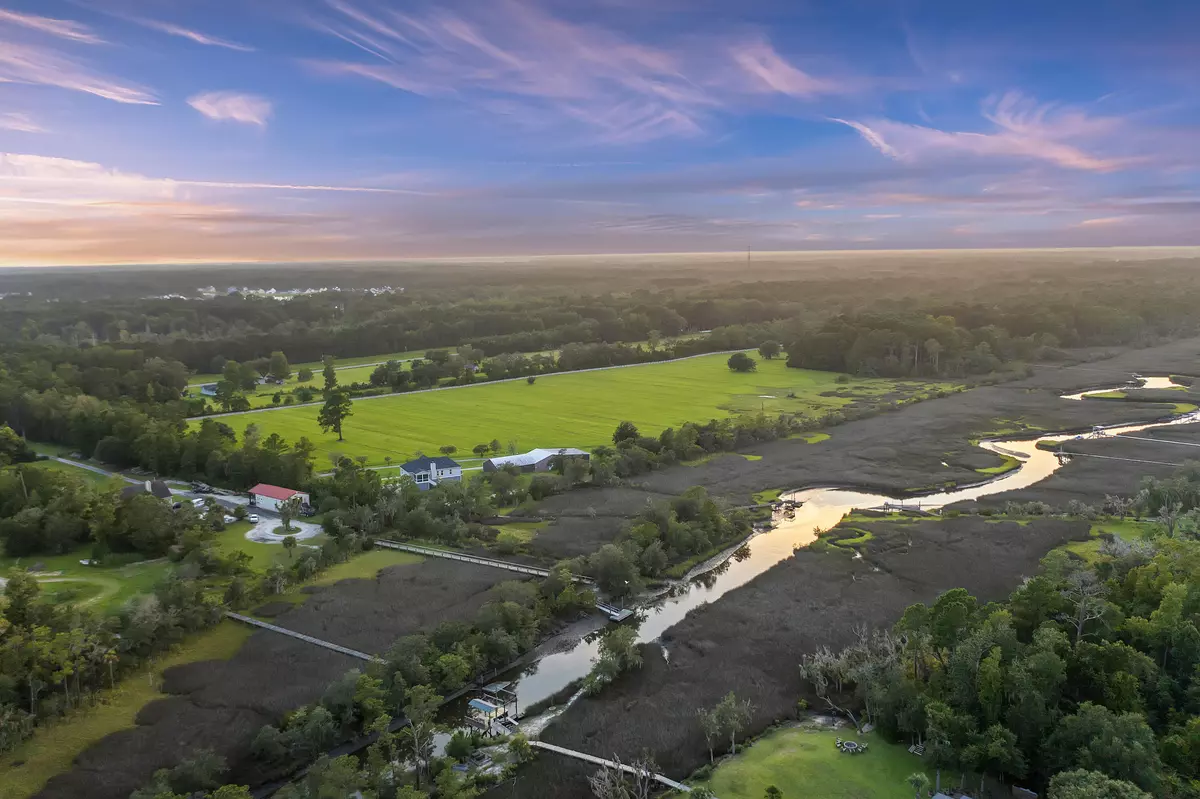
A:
<point x="354" y="653"/>
<point x="599" y="761"/>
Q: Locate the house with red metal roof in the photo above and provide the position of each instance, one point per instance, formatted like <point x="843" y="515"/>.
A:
<point x="269" y="497"/>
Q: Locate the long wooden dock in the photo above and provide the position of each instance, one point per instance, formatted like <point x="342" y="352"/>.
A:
<point x="354" y="653"/>
<point x="433" y="552"/>
<point x="613" y="612"/>
<point x="599" y="761"/>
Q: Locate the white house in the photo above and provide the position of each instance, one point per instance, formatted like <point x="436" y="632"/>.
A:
<point x="536" y="460"/>
<point x="267" y="497"/>
<point x="427" y="472"/>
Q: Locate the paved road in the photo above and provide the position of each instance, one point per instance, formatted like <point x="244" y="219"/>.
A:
<point x="98" y="470"/>
<point x="548" y="376"/>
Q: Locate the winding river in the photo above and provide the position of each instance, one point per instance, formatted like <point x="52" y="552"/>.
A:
<point x="821" y="509"/>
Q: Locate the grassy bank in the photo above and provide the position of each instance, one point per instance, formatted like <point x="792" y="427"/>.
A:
<point x="805" y="762"/>
<point x="575" y="409"/>
<point x="26" y="769"/>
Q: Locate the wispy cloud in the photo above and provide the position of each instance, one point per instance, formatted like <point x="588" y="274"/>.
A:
<point x="249" y="109"/>
<point x="65" y="179"/>
<point x="1104" y="221"/>
<point x="28" y="63"/>
<point x="1024" y="129"/>
<point x="772" y="73"/>
<point x="62" y="28"/>
<point x="517" y="59"/>
<point x="19" y="122"/>
<point x="196" y="36"/>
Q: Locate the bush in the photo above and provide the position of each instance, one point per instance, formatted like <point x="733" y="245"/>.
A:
<point x="508" y="543"/>
<point x="741" y="362"/>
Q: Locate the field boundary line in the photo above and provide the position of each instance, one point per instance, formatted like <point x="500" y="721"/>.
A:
<point x="468" y="385"/>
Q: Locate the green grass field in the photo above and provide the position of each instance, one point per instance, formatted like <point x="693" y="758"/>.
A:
<point x="101" y="480"/>
<point x="572" y="409"/>
<point x="1129" y="529"/>
<point x="103" y="587"/>
<point x="26" y="769"/>
<point x="805" y="762"/>
<point x="233" y="539"/>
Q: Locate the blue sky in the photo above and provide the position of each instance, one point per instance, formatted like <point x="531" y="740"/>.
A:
<point x="206" y="130"/>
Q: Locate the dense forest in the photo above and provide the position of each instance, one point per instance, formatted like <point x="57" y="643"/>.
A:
<point x="1086" y="680"/>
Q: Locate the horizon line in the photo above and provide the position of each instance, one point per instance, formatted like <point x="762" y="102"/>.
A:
<point x="582" y="256"/>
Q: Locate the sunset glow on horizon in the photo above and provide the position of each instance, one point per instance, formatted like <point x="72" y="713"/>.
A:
<point x="145" y="131"/>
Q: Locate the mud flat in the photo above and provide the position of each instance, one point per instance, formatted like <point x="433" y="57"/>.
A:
<point x="1088" y="479"/>
<point x="751" y="641"/>
<point x="920" y="447"/>
<point x="221" y="705"/>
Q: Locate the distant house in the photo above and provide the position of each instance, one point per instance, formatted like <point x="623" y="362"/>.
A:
<point x="268" y="497"/>
<point x="155" y="488"/>
<point x="536" y="460"/>
<point x="427" y="472"/>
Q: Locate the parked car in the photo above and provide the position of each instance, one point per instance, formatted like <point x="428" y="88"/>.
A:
<point x="252" y="518"/>
<point x="308" y="510"/>
<point x="229" y="519"/>
<point x="198" y="502"/>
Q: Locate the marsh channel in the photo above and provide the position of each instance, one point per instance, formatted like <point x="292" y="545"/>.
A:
<point x="816" y="509"/>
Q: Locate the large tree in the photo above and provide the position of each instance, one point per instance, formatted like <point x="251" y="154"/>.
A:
<point x="336" y="409"/>
<point x="329" y="372"/>
<point x="279" y="367"/>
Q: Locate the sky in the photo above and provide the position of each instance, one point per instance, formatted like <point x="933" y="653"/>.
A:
<point x="144" y="131"/>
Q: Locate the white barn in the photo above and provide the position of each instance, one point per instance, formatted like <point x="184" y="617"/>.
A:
<point x="536" y="460"/>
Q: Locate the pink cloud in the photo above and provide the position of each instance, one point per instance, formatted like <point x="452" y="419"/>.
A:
<point x="249" y="109"/>
<point x="1104" y="221"/>
<point x="517" y="56"/>
<point x="172" y="29"/>
<point x="27" y="63"/>
<point x="771" y="73"/>
<point x="62" y="28"/>
<point x="1024" y="130"/>
<point x="19" y="122"/>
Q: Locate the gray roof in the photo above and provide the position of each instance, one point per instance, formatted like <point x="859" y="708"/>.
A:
<point x="156" y="487"/>
<point x="427" y="463"/>
<point x="537" y="456"/>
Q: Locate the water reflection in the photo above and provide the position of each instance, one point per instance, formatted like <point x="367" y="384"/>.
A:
<point x="817" y="509"/>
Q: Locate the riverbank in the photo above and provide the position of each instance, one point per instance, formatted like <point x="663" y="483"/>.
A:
<point x="752" y="640"/>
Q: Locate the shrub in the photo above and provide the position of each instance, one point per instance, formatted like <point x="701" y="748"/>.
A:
<point x="508" y="543"/>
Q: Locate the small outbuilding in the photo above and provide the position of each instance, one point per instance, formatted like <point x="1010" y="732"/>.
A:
<point x="427" y="472"/>
<point x="536" y="460"/>
<point x="155" y="488"/>
<point x="269" y="497"/>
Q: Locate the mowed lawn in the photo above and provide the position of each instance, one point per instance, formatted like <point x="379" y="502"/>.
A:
<point x="106" y="588"/>
<point x="567" y="410"/>
<point x="804" y="762"/>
